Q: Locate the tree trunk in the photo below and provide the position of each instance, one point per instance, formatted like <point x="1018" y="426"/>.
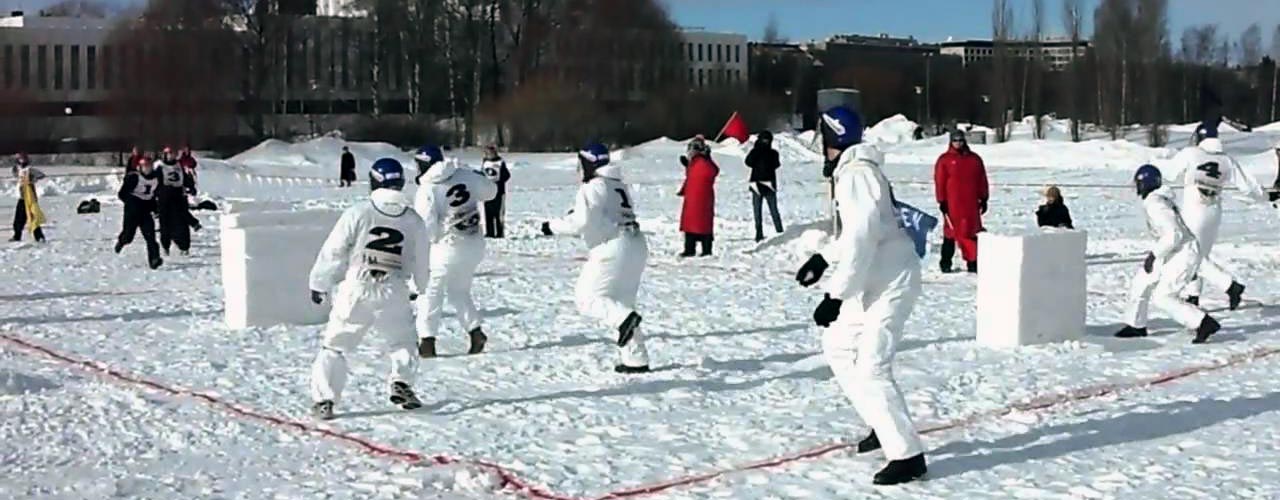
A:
<point x="1275" y="79"/>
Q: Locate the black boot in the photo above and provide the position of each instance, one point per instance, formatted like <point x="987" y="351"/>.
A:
<point x="478" y="339"/>
<point x="1234" y="293"/>
<point x="403" y="396"/>
<point x="971" y="266"/>
<point x="427" y="348"/>
<point x="948" y="252"/>
<point x="628" y="328"/>
<point x="706" y="246"/>
<point x="1129" y="332"/>
<point x="1194" y="300"/>
<point x="119" y="246"/>
<point x="690" y="245"/>
<point x="901" y="471"/>
<point x="155" y="262"/>
<point x="1208" y="326"/>
<point x="631" y="370"/>
<point x="322" y="410"/>
<point x="868" y="444"/>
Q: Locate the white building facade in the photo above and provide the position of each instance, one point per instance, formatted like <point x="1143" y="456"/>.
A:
<point x="715" y="60"/>
<point x="1056" y="54"/>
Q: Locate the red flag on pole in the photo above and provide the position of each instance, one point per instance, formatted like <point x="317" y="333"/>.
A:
<point x="736" y="128"/>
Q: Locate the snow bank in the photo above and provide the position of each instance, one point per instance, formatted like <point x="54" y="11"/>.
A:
<point x="317" y="156"/>
<point x="893" y="130"/>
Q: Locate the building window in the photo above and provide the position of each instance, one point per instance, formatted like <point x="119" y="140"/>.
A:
<point x="75" y="67"/>
<point x="702" y="78"/>
<point x="691" y="77"/>
<point x="699" y="52"/>
<point x="91" y="67"/>
<point x="57" y="67"/>
<point x="8" y="66"/>
<point x="106" y="67"/>
<point x="690" y="47"/>
<point x="737" y="54"/>
<point x="25" y="64"/>
<point x="719" y="55"/>
<point x="42" y="67"/>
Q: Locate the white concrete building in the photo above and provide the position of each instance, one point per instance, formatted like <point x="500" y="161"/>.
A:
<point x="1056" y="53"/>
<point x="715" y="59"/>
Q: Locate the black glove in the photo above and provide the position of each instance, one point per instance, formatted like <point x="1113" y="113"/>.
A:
<point x="828" y="168"/>
<point x="827" y="312"/>
<point x="1273" y="196"/>
<point x="684" y="160"/>
<point x="317" y="297"/>
<point x="1149" y="263"/>
<point x="942" y="207"/>
<point x="546" y="229"/>
<point x="413" y="297"/>
<point x="812" y="270"/>
<point x="982" y="206"/>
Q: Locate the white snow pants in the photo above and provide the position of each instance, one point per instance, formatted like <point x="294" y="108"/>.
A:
<point x="357" y="307"/>
<point x="860" y="350"/>
<point x="1203" y="221"/>
<point x="1162" y="286"/>
<point x="607" y="288"/>
<point x="453" y="269"/>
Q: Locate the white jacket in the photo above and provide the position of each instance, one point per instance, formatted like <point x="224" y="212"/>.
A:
<point x="1165" y="222"/>
<point x="872" y="235"/>
<point x="602" y="209"/>
<point x="1206" y="170"/>
<point x="449" y="200"/>
<point x="383" y="235"/>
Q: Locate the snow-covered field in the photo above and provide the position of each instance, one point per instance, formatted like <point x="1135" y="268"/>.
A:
<point x="739" y="378"/>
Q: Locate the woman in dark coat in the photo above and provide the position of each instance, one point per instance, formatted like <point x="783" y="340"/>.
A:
<point x="1054" y="212"/>
<point x="698" y="214"/>
<point x="763" y="162"/>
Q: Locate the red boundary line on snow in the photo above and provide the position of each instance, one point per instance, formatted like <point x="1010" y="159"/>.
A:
<point x="509" y="480"/>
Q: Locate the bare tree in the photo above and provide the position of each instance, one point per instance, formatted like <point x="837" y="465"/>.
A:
<point x="1002" y="27"/>
<point x="1034" y="69"/>
<point x="76" y="8"/>
<point x="772" y="33"/>
<point x="1152" y="32"/>
<point x="1251" y="46"/>
<point x="1275" y="72"/>
<point x="1114" y="47"/>
<point x="1073" y="22"/>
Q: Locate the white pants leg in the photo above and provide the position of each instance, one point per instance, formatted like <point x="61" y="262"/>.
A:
<point x="607" y="288"/>
<point x="861" y="356"/>
<point x="1204" y="221"/>
<point x="453" y="269"/>
<point x="1162" y="287"/>
<point x="356" y="308"/>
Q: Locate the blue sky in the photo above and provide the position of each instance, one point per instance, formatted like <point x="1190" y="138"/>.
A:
<point x="935" y="20"/>
<point x="928" y="20"/>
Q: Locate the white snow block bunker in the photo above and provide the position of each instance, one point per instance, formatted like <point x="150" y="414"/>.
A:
<point x="266" y="261"/>
<point x="1031" y="288"/>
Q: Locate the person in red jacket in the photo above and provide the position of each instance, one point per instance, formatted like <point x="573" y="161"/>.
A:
<point x="697" y="218"/>
<point x="960" y="182"/>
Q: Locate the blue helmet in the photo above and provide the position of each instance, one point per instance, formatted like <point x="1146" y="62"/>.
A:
<point x="386" y="173"/>
<point x="841" y="128"/>
<point x="1147" y="179"/>
<point x="592" y="157"/>
<point x="430" y="154"/>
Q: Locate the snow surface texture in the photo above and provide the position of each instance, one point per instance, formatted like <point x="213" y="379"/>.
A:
<point x="739" y="374"/>
<point x="1031" y="288"/>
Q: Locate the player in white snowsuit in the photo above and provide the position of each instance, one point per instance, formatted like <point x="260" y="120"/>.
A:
<point x="1206" y="170"/>
<point x="449" y="199"/>
<point x="603" y="214"/>
<point x="376" y="257"/>
<point x="876" y="282"/>
<point x="1169" y="266"/>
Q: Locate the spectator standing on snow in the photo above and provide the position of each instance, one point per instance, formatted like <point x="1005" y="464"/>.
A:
<point x="135" y="156"/>
<point x="960" y="183"/>
<point x="698" y="214"/>
<point x="28" y="213"/>
<point x="495" y="168"/>
<point x="188" y="164"/>
<point x="764" y="163"/>
<point x="1054" y="212"/>
<point x="347" y="175"/>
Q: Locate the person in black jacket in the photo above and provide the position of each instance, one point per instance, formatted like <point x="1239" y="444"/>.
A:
<point x="495" y="168"/>
<point x="171" y="203"/>
<point x="347" y="175"/>
<point x="1054" y="212"/>
<point x="138" y="193"/>
<point x="763" y="162"/>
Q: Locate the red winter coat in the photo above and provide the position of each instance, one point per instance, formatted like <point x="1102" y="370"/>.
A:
<point x="960" y="182"/>
<point x="699" y="212"/>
